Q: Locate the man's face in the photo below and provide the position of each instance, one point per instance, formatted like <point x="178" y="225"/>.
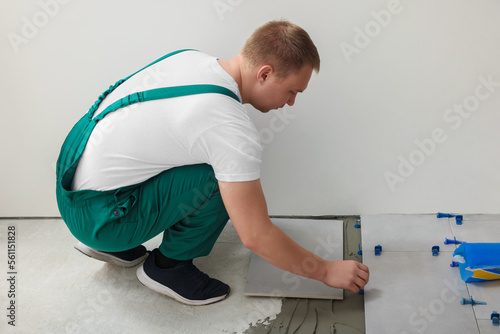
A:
<point x="273" y="92"/>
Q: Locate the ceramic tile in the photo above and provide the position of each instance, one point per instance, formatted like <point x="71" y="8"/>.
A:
<point x="488" y="292"/>
<point x="478" y="231"/>
<point x="418" y="286"/>
<point x="415" y="292"/>
<point x="405" y="233"/>
<point x="486" y="327"/>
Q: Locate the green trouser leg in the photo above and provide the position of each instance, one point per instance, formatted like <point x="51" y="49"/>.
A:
<point x="192" y="214"/>
<point x="183" y="203"/>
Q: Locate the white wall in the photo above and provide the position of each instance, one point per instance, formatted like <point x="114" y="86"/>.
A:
<point x="374" y="98"/>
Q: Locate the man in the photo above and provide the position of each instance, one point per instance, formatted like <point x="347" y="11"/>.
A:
<point x="171" y="150"/>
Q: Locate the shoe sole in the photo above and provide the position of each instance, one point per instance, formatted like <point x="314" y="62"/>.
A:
<point x="160" y="288"/>
<point x="101" y="256"/>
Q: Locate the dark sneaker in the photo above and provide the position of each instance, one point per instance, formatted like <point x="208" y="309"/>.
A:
<point x="184" y="282"/>
<point x="127" y="259"/>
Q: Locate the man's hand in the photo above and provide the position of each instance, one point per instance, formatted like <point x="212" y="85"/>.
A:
<point x="350" y="275"/>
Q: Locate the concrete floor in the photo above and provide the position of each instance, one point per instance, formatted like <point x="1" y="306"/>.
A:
<point x="59" y="290"/>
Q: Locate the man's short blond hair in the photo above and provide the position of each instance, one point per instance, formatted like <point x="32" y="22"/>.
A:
<point x="283" y="45"/>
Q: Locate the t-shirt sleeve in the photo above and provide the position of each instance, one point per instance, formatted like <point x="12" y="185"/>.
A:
<point x="232" y="149"/>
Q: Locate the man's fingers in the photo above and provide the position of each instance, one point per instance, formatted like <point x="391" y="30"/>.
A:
<point x="349" y="275"/>
<point x="364" y="272"/>
<point x="363" y="267"/>
<point x="363" y="275"/>
<point x="360" y="283"/>
<point x="356" y="286"/>
<point x="354" y="289"/>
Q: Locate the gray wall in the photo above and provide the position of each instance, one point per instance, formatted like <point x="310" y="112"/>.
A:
<point x="400" y="119"/>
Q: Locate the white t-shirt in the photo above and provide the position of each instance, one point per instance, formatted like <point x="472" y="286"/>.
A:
<point x="135" y="143"/>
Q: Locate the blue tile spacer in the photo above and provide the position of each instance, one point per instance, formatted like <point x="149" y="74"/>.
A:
<point x="450" y="241"/>
<point x="357" y="223"/>
<point x="454" y="264"/>
<point x="435" y="250"/>
<point x="458" y="218"/>
<point x="471" y="301"/>
<point x="360" y="252"/>
<point x="495" y="318"/>
<point x="361" y="292"/>
<point x="378" y="250"/>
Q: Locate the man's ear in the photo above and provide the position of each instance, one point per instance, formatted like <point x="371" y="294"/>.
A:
<point x="264" y="72"/>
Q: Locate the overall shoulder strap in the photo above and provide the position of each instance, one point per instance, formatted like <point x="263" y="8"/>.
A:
<point x="94" y="107"/>
<point x="165" y="93"/>
<point x="159" y="59"/>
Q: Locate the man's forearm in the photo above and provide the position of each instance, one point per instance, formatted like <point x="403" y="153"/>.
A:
<point x="280" y="250"/>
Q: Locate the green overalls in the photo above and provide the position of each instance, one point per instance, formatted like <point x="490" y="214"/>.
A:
<point x="184" y="202"/>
